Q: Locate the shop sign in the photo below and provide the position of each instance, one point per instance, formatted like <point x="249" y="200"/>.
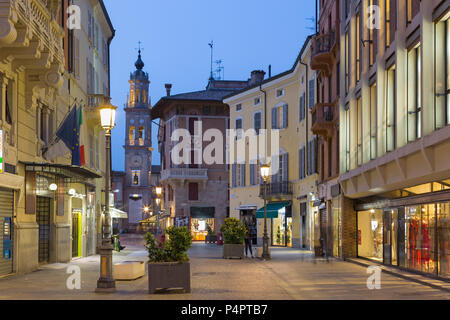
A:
<point x="1" y="152"/>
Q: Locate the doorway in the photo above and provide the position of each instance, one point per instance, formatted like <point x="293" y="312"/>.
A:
<point x="76" y="233"/>
<point x="43" y="221"/>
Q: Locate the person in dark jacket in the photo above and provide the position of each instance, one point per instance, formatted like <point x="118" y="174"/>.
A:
<point x="248" y="242"/>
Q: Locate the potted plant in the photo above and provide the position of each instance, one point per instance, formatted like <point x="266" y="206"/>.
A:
<point x="168" y="265"/>
<point x="233" y="233"/>
<point x="211" y="237"/>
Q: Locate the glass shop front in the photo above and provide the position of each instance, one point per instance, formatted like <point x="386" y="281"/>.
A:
<point x="414" y="237"/>
<point x="202" y="221"/>
<point x="280" y="216"/>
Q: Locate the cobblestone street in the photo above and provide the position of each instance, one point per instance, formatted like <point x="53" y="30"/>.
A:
<point x="290" y="275"/>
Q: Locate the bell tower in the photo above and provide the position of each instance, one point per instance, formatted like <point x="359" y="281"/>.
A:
<point x="138" y="146"/>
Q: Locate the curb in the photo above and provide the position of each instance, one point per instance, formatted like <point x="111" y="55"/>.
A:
<point x="400" y="275"/>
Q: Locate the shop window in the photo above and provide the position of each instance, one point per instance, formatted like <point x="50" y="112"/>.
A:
<point x="442" y="74"/>
<point x="373" y="38"/>
<point x="443" y="218"/>
<point x="414" y="94"/>
<point x="420" y="238"/>
<point x="390" y="110"/>
<point x="370" y="234"/>
<point x="193" y="191"/>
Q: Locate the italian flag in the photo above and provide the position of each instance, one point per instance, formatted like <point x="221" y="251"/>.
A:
<point x="80" y="123"/>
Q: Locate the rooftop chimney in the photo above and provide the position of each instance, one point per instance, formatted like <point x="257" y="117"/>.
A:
<point x="168" y="88"/>
<point x="257" y="77"/>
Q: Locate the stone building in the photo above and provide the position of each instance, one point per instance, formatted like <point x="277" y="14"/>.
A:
<point x="196" y="193"/>
<point x="138" y="146"/>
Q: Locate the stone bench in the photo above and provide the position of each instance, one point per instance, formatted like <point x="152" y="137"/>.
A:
<point x="129" y="270"/>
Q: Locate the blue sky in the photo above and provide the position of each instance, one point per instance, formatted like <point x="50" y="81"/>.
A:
<point x="248" y="35"/>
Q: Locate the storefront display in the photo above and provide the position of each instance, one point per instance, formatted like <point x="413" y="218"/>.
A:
<point x="370" y="234"/>
<point x="199" y="228"/>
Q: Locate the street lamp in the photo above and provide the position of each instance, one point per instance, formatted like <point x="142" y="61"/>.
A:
<point x="265" y="172"/>
<point x="158" y="202"/>
<point x="106" y="283"/>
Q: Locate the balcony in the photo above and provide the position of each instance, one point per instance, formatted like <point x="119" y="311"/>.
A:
<point x="32" y="39"/>
<point x="324" y="119"/>
<point x="184" y="174"/>
<point x="276" y="189"/>
<point x="94" y="101"/>
<point x="322" y="57"/>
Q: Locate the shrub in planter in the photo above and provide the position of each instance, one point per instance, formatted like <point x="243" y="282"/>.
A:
<point x="168" y="265"/>
<point x="233" y="233"/>
<point x="211" y="237"/>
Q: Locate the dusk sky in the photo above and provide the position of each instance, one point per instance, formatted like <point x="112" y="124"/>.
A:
<point x="248" y="35"/>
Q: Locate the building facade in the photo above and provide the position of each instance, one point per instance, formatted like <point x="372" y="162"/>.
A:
<point x="394" y="120"/>
<point x="325" y="123"/>
<point x="138" y="146"/>
<point x="196" y="191"/>
<point x="38" y="192"/>
<point x="278" y="104"/>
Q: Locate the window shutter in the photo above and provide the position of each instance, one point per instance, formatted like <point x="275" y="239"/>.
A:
<point x="311" y="93"/>
<point x="314" y="157"/>
<point x="252" y="174"/>
<point x="285" y="116"/>
<point x="300" y="164"/>
<point x="309" y="158"/>
<point x="234" y="171"/>
<point x="243" y="175"/>
<point x="285" y="167"/>
<point x="274" y="118"/>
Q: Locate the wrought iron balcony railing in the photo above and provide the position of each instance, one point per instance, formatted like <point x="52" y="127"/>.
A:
<point x="276" y="189"/>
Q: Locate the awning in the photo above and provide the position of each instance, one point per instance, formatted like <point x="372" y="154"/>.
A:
<point x="202" y="213"/>
<point x="62" y="170"/>
<point x="273" y="210"/>
<point x="117" y="214"/>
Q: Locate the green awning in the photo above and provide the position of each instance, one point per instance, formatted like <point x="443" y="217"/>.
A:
<point x="273" y="210"/>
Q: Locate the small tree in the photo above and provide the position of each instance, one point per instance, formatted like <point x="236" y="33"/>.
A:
<point x="173" y="250"/>
<point x="233" y="231"/>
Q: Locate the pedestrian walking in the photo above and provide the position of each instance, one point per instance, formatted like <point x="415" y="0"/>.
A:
<point x="248" y="242"/>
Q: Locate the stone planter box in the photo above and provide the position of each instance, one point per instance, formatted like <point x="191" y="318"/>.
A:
<point x="169" y="275"/>
<point x="233" y="251"/>
<point x="210" y="239"/>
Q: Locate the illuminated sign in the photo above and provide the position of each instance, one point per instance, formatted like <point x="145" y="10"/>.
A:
<point x="1" y="152"/>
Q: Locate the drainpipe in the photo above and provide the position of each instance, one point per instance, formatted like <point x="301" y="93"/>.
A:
<point x="265" y="114"/>
<point x="306" y="113"/>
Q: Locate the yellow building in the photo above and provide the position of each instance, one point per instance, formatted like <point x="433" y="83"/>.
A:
<point x="283" y="103"/>
<point x="44" y="202"/>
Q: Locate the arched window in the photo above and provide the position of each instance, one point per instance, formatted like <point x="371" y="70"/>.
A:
<point x="131" y="135"/>
<point x="141" y="136"/>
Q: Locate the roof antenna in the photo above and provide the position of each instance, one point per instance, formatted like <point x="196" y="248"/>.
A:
<point x="211" y="77"/>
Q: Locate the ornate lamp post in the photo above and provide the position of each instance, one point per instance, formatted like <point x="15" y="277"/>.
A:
<point x="265" y="172"/>
<point x="158" y="203"/>
<point x="106" y="282"/>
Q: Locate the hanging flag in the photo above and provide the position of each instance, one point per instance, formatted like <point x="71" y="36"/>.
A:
<point x="69" y="133"/>
<point x="81" y="141"/>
